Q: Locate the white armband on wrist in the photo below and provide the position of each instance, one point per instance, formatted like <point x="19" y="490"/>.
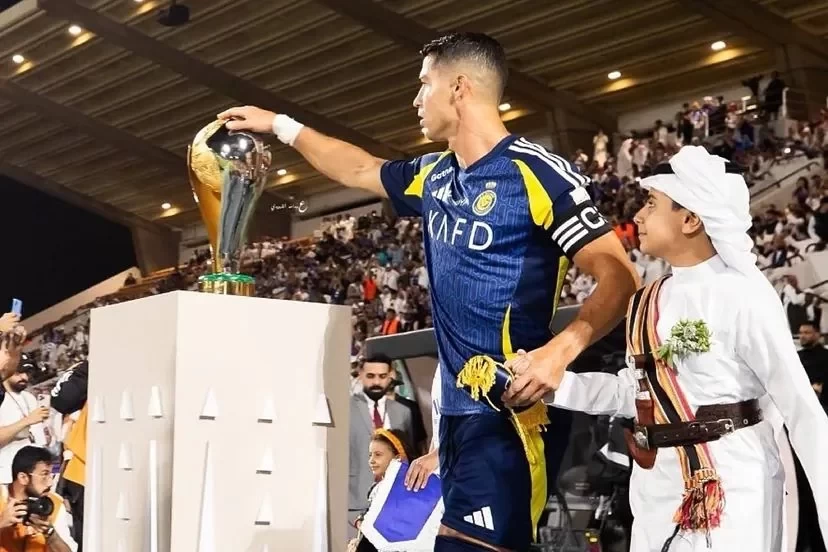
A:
<point x="286" y="129"/>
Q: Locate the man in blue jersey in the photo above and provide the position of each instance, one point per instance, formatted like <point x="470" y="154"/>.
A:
<point x="503" y="219"/>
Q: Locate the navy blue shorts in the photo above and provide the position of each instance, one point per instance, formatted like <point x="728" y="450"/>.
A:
<point x="491" y="491"/>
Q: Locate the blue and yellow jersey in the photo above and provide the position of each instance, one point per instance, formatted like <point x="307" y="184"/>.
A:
<point x="498" y="238"/>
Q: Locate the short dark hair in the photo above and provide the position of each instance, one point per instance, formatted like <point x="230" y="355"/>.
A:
<point x="28" y="458"/>
<point x="379" y="359"/>
<point x="477" y="47"/>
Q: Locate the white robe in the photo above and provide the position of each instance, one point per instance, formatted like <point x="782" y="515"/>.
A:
<point x="752" y="355"/>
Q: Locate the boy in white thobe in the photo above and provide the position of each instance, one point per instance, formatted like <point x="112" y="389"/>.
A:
<point x="695" y="219"/>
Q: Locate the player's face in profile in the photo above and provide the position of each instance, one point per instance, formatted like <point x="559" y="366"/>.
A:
<point x="659" y="225"/>
<point x="434" y="102"/>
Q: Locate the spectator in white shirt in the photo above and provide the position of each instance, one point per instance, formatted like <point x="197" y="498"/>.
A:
<point x="421" y="274"/>
<point x="387" y="298"/>
<point x="390" y="277"/>
<point x="21" y="420"/>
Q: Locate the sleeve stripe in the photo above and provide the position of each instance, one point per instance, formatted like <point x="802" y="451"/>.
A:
<point x="564" y="174"/>
<point x="569" y="176"/>
<point x="557" y="159"/>
<point x="561" y="163"/>
<point x="562" y="228"/>
<point x="568" y="245"/>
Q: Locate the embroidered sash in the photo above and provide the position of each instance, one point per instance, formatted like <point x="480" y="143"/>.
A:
<point x="703" y="500"/>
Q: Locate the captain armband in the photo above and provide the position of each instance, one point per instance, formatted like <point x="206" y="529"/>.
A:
<point x="578" y="226"/>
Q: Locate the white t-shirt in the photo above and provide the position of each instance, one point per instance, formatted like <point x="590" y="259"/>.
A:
<point x="14" y="408"/>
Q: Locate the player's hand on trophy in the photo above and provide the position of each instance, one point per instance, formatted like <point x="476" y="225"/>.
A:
<point x="420" y="470"/>
<point x="537" y="373"/>
<point x="249" y="118"/>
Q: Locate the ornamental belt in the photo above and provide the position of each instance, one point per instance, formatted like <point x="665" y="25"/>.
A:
<point x="711" y="423"/>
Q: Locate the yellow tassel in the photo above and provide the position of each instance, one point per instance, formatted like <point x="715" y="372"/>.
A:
<point x="532" y="419"/>
<point x="535" y="416"/>
<point x="478" y="374"/>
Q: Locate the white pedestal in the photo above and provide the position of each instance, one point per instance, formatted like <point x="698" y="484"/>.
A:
<point x="206" y="429"/>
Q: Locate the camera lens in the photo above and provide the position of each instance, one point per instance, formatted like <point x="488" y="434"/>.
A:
<point x="41" y="506"/>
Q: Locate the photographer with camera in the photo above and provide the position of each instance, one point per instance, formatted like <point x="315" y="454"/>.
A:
<point x="33" y="518"/>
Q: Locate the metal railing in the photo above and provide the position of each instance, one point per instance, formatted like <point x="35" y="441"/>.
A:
<point x="778" y="184"/>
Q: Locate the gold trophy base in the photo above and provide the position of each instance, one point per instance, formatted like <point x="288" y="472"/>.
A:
<point x="223" y="283"/>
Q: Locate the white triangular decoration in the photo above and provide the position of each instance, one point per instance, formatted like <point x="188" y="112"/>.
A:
<point x="122" y="509"/>
<point x="122" y="545"/>
<point x="268" y="413"/>
<point x="206" y="530"/>
<point x="210" y="409"/>
<point x="265" y="516"/>
<point x="155" y="409"/>
<point x="322" y="415"/>
<point x="98" y="414"/>
<point x="266" y="463"/>
<point x="127" y="412"/>
<point x="320" y="533"/>
<point x="125" y="457"/>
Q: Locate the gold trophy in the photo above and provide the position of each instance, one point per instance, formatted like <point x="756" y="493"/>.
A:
<point x="228" y="171"/>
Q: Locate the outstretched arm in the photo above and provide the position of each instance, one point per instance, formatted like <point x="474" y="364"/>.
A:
<point x="340" y="161"/>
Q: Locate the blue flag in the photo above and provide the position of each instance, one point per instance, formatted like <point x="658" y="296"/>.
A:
<point x="399" y="520"/>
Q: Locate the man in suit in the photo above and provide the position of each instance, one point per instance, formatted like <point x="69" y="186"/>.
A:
<point x="370" y="410"/>
<point x="417" y="437"/>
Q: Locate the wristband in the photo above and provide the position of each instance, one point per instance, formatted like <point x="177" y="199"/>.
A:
<point x="286" y="129"/>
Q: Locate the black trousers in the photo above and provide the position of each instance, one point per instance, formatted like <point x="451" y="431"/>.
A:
<point x="73" y="494"/>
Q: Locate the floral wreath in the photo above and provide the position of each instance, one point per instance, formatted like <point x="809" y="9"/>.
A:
<point x="395" y="442"/>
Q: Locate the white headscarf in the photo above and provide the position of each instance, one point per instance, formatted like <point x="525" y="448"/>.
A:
<point x="721" y="200"/>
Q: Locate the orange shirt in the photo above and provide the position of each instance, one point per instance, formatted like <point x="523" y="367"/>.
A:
<point x="369" y="289"/>
<point x="391" y="326"/>
<point x="17" y="537"/>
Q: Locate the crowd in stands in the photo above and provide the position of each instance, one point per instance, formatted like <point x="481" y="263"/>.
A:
<point x="375" y="264"/>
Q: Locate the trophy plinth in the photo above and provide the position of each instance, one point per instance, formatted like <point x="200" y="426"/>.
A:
<point x="223" y="283"/>
<point x="228" y="171"/>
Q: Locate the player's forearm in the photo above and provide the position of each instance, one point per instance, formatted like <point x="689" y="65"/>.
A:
<point x="602" y="310"/>
<point x="340" y="161"/>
